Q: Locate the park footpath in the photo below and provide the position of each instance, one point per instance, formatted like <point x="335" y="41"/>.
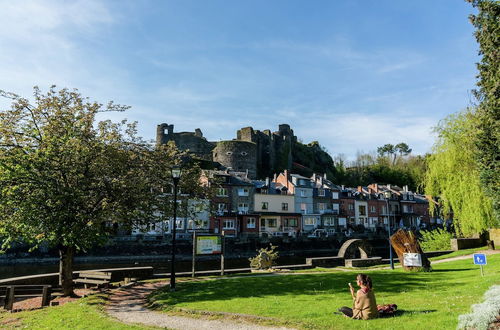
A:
<point x="128" y="305"/>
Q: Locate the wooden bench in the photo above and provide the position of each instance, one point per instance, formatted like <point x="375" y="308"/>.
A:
<point x="9" y="293"/>
<point x="93" y="277"/>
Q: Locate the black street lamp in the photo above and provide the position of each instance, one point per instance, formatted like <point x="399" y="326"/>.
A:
<point x="391" y="259"/>
<point x="176" y="176"/>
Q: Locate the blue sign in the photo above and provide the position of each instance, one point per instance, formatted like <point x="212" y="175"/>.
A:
<point x="479" y="259"/>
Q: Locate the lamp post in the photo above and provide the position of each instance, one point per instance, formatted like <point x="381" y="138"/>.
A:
<point x="391" y="259"/>
<point x="176" y="176"/>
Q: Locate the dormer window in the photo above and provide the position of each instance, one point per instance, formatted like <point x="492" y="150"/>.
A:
<point x="243" y="153"/>
<point x="229" y="153"/>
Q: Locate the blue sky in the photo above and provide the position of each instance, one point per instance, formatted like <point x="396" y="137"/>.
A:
<point x="352" y="75"/>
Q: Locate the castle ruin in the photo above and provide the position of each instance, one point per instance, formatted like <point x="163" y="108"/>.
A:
<point x="261" y="153"/>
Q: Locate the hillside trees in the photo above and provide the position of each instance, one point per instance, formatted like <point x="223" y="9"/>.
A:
<point x="65" y="177"/>
<point x="453" y="174"/>
<point x="487" y="137"/>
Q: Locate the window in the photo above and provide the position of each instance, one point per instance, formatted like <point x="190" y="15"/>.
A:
<point x="362" y="210"/>
<point x="329" y="221"/>
<point x="271" y="223"/>
<point x="351" y="207"/>
<point x="372" y="209"/>
<point x="291" y="222"/>
<point x="410" y="197"/>
<point x="221" y="206"/>
<point x="321" y="192"/>
<point x="310" y="221"/>
<point x="321" y="206"/>
<point x="303" y="207"/>
<point x="242" y="207"/>
<point x="228" y="224"/>
<point x="221" y="192"/>
<point x="264" y="205"/>
<point x="179" y="224"/>
<point x="335" y="195"/>
<point x="302" y="193"/>
<point x="284" y="206"/>
<point x="250" y="222"/>
<point x="243" y="191"/>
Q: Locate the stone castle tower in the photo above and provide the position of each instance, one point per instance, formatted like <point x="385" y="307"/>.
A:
<point x="261" y="153"/>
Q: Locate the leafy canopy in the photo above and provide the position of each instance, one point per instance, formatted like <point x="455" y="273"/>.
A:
<point x="63" y="177"/>
<point x="453" y="174"/>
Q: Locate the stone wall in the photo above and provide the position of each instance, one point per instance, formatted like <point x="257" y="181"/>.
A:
<point x="465" y="243"/>
<point x="495" y="237"/>
<point x="238" y="155"/>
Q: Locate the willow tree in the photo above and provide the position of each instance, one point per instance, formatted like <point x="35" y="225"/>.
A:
<point x="64" y="177"/>
<point x="454" y="175"/>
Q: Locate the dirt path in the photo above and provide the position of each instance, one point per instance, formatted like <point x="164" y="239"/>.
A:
<point x="128" y="306"/>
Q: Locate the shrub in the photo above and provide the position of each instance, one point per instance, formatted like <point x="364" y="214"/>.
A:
<point x="436" y="240"/>
<point x="484" y="313"/>
<point x="265" y="259"/>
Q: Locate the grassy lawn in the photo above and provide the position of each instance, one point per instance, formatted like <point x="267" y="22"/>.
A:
<point x="86" y="313"/>
<point x="459" y="253"/>
<point x="433" y="300"/>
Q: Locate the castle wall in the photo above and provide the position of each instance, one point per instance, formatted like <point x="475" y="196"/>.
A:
<point x="239" y="155"/>
<point x="192" y="141"/>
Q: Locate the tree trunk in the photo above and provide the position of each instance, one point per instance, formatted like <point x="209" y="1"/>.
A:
<point x="66" y="269"/>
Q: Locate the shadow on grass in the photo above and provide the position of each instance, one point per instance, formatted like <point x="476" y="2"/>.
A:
<point x="402" y="312"/>
<point x="393" y="282"/>
<point x="451" y="270"/>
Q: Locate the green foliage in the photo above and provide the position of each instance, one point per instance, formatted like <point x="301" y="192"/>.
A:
<point x="265" y="259"/>
<point x="453" y="174"/>
<point x="436" y="240"/>
<point x="64" y="177"/>
<point x="312" y="158"/>
<point x="487" y="137"/>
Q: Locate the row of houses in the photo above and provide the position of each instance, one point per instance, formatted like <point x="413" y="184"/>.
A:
<point x="291" y="205"/>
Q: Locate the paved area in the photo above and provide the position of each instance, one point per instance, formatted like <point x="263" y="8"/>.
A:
<point x="128" y="305"/>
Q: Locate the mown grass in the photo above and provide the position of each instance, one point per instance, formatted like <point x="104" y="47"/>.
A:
<point x="427" y="300"/>
<point x="86" y="313"/>
<point x="458" y="253"/>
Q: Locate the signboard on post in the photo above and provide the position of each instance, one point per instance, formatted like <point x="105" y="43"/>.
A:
<point x="208" y="244"/>
<point x="412" y="259"/>
<point x="480" y="259"/>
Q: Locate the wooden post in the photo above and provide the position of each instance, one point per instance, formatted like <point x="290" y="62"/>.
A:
<point x="9" y="298"/>
<point x="193" y="266"/>
<point x="46" y="295"/>
<point x="222" y="254"/>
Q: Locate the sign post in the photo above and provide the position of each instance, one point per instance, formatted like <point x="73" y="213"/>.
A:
<point x="222" y="255"/>
<point x="480" y="259"/>
<point x="193" y="266"/>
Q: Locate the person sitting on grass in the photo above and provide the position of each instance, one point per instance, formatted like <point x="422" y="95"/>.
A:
<point x="364" y="305"/>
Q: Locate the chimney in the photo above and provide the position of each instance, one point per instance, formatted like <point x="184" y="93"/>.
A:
<point x="405" y="188"/>
<point x="324" y="176"/>
<point x="389" y="186"/>
<point x="343" y="187"/>
<point x="360" y="189"/>
<point x="267" y="182"/>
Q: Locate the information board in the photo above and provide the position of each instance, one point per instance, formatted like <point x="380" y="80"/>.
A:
<point x="208" y="245"/>
<point x="412" y="259"/>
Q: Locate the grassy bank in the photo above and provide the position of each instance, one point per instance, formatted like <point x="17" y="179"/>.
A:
<point x="432" y="299"/>
<point x="86" y="313"/>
